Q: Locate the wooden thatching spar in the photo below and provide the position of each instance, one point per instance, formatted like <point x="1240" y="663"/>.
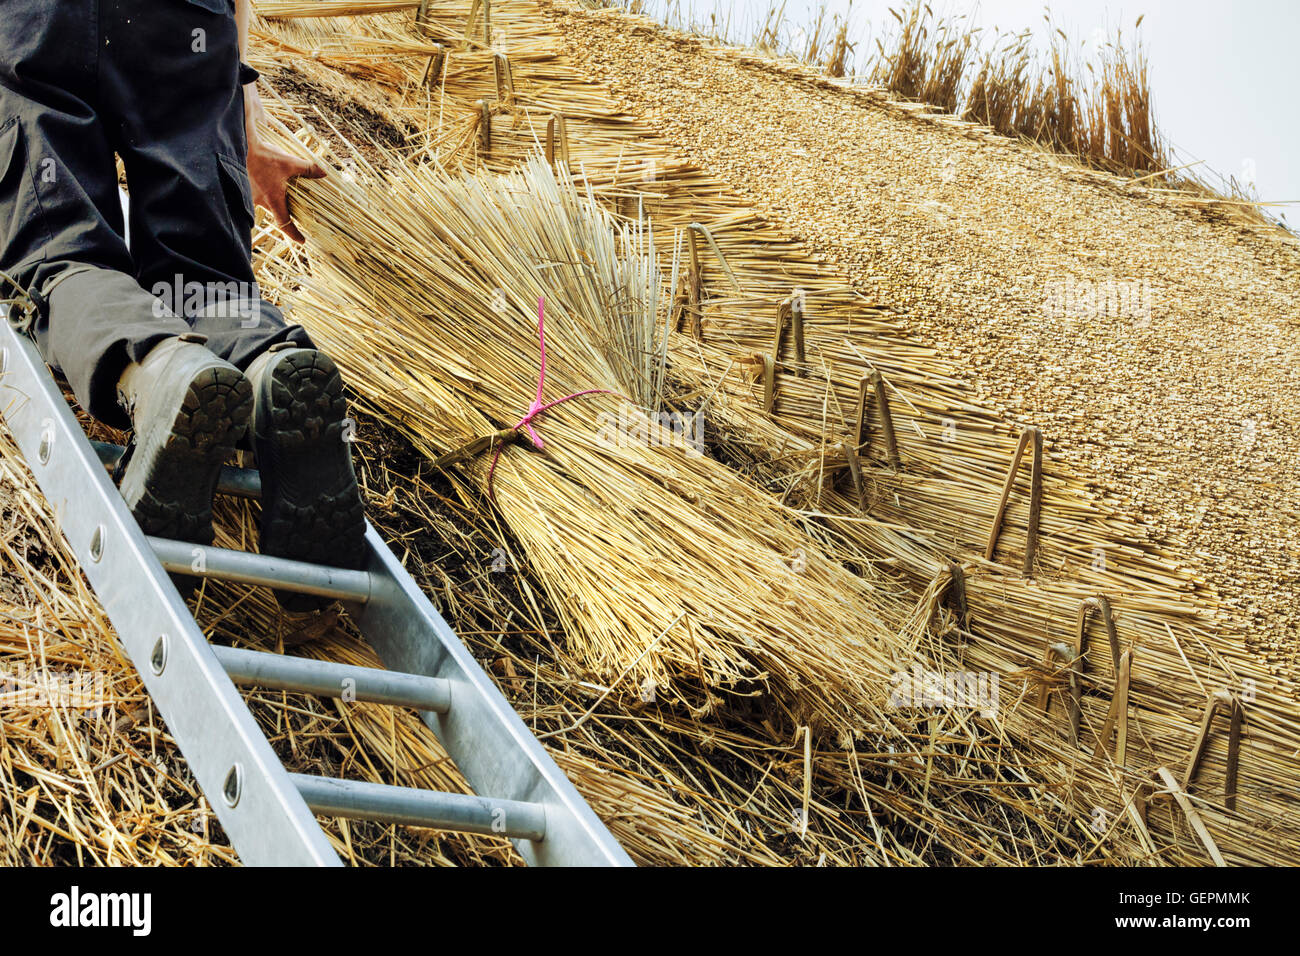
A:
<point x="955" y="594"/>
<point x="433" y="68"/>
<point x="789" y="312"/>
<point x="1075" y="658"/>
<point x="1122" y="665"/>
<point x="1035" y="498"/>
<point x="1222" y="700"/>
<point x="1231" y="703"/>
<point x="505" y="79"/>
<point x="484" y="126"/>
<point x="472" y="20"/>
<point x="557" y="134"/>
<point x="689" y="298"/>
<point x="873" y="385"/>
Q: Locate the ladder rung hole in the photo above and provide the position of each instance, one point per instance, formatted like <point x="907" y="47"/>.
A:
<point x="158" y="657"/>
<point x="46" y="446"/>
<point x="233" y="786"/>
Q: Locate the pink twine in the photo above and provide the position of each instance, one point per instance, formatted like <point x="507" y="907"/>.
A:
<point x="538" y="406"/>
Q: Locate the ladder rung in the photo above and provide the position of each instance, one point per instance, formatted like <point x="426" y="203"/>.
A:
<point x="205" y="561"/>
<point x="424" y="808"/>
<point x="241" y="482"/>
<point x="330" y="679"/>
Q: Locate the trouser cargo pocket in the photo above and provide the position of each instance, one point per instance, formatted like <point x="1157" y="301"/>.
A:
<point x="23" y="230"/>
<point x="239" y="195"/>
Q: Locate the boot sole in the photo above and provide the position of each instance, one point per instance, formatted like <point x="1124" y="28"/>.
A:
<point x="171" y="479"/>
<point x="311" y="505"/>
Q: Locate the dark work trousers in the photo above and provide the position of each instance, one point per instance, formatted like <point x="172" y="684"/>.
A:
<point x="157" y="83"/>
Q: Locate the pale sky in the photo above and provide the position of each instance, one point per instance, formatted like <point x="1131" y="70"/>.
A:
<point x="1223" y="75"/>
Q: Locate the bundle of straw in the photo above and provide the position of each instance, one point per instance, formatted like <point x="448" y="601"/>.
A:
<point x="421" y="287"/>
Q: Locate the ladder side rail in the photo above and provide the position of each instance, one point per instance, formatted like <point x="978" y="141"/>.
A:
<point x="252" y="794"/>
<point x="491" y="745"/>
<point x="495" y="751"/>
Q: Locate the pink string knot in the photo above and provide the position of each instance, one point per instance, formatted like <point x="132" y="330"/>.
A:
<point x="538" y="407"/>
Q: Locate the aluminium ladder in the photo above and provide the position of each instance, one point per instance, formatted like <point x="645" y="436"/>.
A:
<point x="267" y="811"/>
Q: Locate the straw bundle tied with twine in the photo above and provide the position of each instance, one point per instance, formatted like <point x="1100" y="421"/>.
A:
<point x="659" y="559"/>
<point x="423" y="409"/>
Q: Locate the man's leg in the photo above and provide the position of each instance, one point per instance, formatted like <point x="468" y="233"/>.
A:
<point x="60" y="216"/>
<point x="122" y="350"/>
<point x="176" y="91"/>
<point x="173" y="88"/>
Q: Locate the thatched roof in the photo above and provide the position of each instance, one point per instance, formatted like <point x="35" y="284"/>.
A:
<point x="708" y="644"/>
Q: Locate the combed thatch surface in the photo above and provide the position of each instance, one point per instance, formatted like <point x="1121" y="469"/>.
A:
<point x="705" y="642"/>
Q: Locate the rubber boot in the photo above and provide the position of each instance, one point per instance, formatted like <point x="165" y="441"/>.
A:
<point x="188" y="408"/>
<point x="311" y="506"/>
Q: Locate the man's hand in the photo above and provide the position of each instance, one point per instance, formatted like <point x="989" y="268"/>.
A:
<point x="270" y="168"/>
